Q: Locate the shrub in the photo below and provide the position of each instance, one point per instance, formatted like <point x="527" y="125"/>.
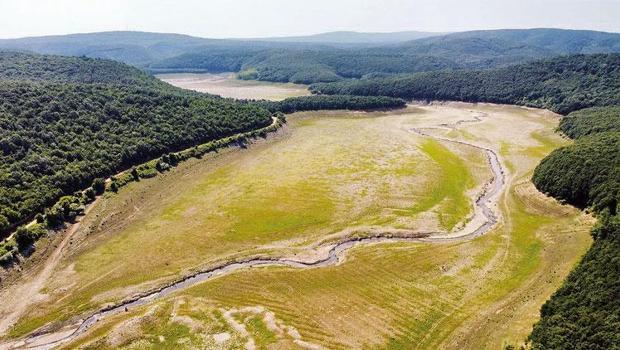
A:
<point x="134" y="174"/>
<point x="6" y="258"/>
<point x="89" y="194"/>
<point x="4" y="223"/>
<point x="113" y="186"/>
<point x="98" y="186"/>
<point x="24" y="237"/>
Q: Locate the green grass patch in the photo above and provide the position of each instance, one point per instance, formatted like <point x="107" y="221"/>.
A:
<point x="447" y="189"/>
<point x="263" y="337"/>
<point x="283" y="211"/>
<point x="546" y="143"/>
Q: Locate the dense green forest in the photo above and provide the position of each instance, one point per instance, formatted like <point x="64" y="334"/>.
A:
<point x="562" y="84"/>
<point x="303" y="66"/>
<point x="284" y="62"/>
<point x="591" y="121"/>
<point x="585" y="312"/>
<point x="586" y="173"/>
<point x="469" y="50"/>
<point x="60" y="69"/>
<point x="313" y="103"/>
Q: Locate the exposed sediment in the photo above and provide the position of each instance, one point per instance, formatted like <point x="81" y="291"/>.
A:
<point x="482" y="221"/>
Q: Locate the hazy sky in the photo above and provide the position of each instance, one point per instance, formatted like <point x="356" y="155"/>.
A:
<point x="259" y="18"/>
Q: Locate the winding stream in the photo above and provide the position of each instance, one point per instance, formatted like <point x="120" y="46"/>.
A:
<point x="482" y="221"/>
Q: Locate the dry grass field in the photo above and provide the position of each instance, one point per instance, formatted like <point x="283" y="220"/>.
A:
<point x="327" y="175"/>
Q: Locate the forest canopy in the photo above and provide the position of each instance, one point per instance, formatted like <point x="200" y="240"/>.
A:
<point x="562" y="84"/>
<point x="591" y="121"/>
<point x="60" y="69"/>
<point x="313" y="103"/>
<point x="585" y="312"/>
<point x="586" y="173"/>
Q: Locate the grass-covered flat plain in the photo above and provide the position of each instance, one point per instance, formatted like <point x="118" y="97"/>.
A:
<point x="227" y="85"/>
<point x="327" y="175"/>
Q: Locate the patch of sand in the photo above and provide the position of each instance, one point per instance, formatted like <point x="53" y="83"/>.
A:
<point x="227" y="85"/>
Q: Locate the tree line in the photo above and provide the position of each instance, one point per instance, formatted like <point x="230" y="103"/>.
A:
<point x="313" y="103"/>
<point x="562" y="84"/>
<point x="591" y="121"/>
<point x="585" y="312"/>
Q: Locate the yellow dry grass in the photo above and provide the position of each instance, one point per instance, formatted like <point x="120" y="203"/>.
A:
<point x="322" y="175"/>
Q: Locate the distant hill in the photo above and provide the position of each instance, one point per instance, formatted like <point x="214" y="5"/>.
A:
<point x="136" y="48"/>
<point x="326" y="57"/>
<point x="467" y="50"/>
<point x="557" y="41"/>
<point x="142" y="48"/>
<point x="348" y="37"/>
<point x="493" y="48"/>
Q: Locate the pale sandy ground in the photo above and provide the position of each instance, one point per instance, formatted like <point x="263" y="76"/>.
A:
<point x="227" y="85"/>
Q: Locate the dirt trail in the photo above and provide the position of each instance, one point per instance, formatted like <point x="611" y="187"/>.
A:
<point x="327" y="254"/>
<point x="26" y="293"/>
<point x="19" y="297"/>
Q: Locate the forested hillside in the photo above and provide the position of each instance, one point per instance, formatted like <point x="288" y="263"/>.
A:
<point x="586" y="173"/>
<point x="468" y="50"/>
<point x="65" y="121"/>
<point x="135" y="48"/>
<point x="562" y="84"/>
<point x="585" y="312"/>
<point x="486" y="44"/>
<point x="31" y="67"/>
<point x="302" y="66"/>
<point x="335" y="57"/>
<point x="591" y="121"/>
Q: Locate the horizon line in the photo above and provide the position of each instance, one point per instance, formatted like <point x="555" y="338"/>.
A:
<point x="299" y="35"/>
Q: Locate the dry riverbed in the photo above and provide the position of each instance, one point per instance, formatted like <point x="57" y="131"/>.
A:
<point x="326" y="177"/>
<point x="227" y="85"/>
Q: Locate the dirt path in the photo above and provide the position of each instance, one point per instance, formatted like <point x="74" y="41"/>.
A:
<point x="327" y="254"/>
<point x="26" y="293"/>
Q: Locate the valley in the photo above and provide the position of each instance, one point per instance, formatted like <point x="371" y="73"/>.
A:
<point x="376" y="173"/>
<point x="343" y="190"/>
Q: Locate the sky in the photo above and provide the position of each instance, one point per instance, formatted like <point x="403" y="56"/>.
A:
<point x="265" y="18"/>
